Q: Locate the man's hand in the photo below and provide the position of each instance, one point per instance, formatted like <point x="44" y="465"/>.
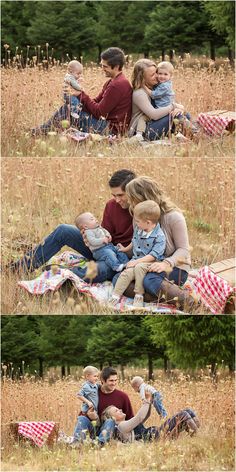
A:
<point x="90" y="404"/>
<point x="92" y="414"/>
<point x="109" y="238"/>
<point x="121" y="248"/>
<point x="106" y="240"/>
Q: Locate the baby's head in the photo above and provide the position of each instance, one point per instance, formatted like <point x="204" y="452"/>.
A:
<point x="136" y="382"/>
<point x="75" y="68"/>
<point x="91" y="374"/>
<point x="147" y="215"/>
<point x="164" y="71"/>
<point x="86" y="221"/>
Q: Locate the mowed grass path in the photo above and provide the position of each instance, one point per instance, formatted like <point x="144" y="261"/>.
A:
<point x="211" y="449"/>
<point x="30" y="96"/>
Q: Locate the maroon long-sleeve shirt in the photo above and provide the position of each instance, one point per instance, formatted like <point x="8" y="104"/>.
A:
<point x="117" y="398"/>
<point x="118" y="222"/>
<point x="114" y="103"/>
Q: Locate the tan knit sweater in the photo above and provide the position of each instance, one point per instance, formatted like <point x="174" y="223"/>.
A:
<point x="174" y="226"/>
<point x="141" y="105"/>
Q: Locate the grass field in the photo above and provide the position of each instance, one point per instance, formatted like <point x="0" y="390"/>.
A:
<point x="30" y="96"/>
<point x="39" y="195"/>
<point x="212" y="448"/>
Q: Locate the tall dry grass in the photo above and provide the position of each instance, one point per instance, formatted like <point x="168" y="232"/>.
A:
<point x="38" y="195"/>
<point x="211" y="449"/>
<point x="30" y="96"/>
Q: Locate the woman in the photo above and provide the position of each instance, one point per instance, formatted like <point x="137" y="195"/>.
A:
<point x="133" y="429"/>
<point x="145" y="74"/>
<point x="177" y="261"/>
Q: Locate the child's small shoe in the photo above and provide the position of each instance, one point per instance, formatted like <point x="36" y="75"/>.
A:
<point x="138" y="301"/>
<point x="120" y="267"/>
<point x="113" y="300"/>
<point x="137" y="138"/>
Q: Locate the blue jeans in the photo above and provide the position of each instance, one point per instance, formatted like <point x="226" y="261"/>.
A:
<point x="111" y="256"/>
<point x="155" y="129"/>
<point x="157" y="403"/>
<point x="85" y="122"/>
<point x="152" y="281"/>
<point x="63" y="235"/>
<point x="84" y="425"/>
<point x="183" y="419"/>
<point x="74" y="102"/>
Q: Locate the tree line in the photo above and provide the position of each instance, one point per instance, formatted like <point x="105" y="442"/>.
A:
<point x="186" y="342"/>
<point x="84" y="28"/>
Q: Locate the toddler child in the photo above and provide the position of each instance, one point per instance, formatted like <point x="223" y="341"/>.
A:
<point x="162" y="95"/>
<point x="140" y="386"/>
<point x="88" y="393"/>
<point x="148" y="245"/>
<point x="74" y="73"/>
<point x="98" y="240"/>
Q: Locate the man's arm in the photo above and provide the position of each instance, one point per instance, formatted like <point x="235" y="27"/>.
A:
<point x="109" y="99"/>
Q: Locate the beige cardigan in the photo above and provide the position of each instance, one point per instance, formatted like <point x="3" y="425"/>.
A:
<point x="141" y="105"/>
<point x="174" y="226"/>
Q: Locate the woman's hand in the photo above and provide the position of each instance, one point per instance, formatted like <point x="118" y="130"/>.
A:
<point x="131" y="264"/>
<point x="178" y="108"/>
<point x="148" y="396"/>
<point x="160" y="267"/>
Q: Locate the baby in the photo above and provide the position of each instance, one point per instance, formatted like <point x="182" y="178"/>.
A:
<point x="98" y="240"/>
<point x="148" y="245"/>
<point x="88" y="393"/>
<point x="74" y="73"/>
<point x="140" y="386"/>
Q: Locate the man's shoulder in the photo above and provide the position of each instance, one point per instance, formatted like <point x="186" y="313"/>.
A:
<point x="121" y="393"/>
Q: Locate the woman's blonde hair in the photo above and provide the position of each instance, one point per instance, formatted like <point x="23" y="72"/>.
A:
<point x="145" y="188"/>
<point x="106" y="413"/>
<point x="140" y="66"/>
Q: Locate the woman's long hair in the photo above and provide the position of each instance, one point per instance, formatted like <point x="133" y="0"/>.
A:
<point x="145" y="188"/>
<point x="140" y="66"/>
<point x="106" y="413"/>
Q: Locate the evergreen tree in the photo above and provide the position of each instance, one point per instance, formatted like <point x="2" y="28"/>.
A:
<point x="195" y="341"/>
<point x="222" y="19"/>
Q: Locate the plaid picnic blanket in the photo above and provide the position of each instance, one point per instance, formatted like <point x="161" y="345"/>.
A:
<point x="37" y="431"/>
<point x="215" y="123"/>
<point x="212" y="289"/>
<point x="51" y="280"/>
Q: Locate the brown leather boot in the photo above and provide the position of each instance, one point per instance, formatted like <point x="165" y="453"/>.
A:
<point x="177" y="296"/>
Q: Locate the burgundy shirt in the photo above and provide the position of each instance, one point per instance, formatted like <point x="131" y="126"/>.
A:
<point x="114" y="103"/>
<point x="117" y="398"/>
<point x="118" y="222"/>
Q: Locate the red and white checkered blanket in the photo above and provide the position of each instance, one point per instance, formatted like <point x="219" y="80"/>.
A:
<point x="214" y="125"/>
<point x="37" y="431"/>
<point x="212" y="289"/>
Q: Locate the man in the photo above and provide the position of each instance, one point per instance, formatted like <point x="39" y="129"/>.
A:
<point x="110" y="110"/>
<point x="116" y="219"/>
<point x="108" y="395"/>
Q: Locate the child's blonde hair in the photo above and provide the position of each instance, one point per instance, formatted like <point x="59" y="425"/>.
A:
<point x="148" y="210"/>
<point x="80" y="220"/>
<point x="90" y="369"/>
<point x="166" y="65"/>
<point x="136" y="381"/>
<point x="74" y="65"/>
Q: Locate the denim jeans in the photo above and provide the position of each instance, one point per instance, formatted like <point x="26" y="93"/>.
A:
<point x="182" y="419"/>
<point x="63" y="235"/>
<point x="152" y="281"/>
<point x="84" y="426"/>
<point x="155" y="129"/>
<point x="111" y="256"/>
<point x="146" y="434"/>
<point x="85" y="122"/>
<point x="74" y="102"/>
<point x="157" y="403"/>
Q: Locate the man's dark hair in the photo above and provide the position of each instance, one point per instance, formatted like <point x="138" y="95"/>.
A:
<point x="114" y="57"/>
<point x="107" y="372"/>
<point x="121" y="178"/>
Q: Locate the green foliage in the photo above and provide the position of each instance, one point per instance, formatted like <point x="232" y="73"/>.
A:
<point x="222" y="19"/>
<point x="195" y="341"/>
